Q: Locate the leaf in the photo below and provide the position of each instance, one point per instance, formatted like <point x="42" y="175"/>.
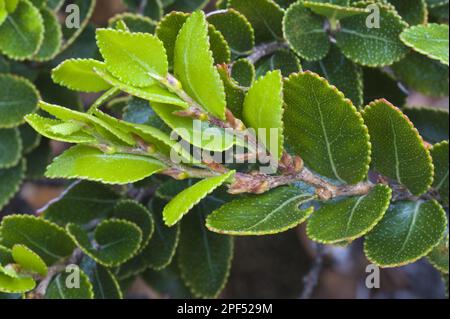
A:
<point x="11" y="5"/>
<point x="154" y="93"/>
<point x="341" y="72"/>
<point x="432" y="123"/>
<point x="305" y="33"/>
<point x="104" y="283"/>
<point x="417" y="72"/>
<point x="264" y="15"/>
<point x="114" y="241"/>
<point x="30" y="138"/>
<point x="46" y="126"/>
<point x="204" y="257"/>
<point x="167" y="282"/>
<point x="18" y="97"/>
<point x="78" y="161"/>
<point x="243" y="72"/>
<point x="235" y="94"/>
<point x="284" y="60"/>
<point x="379" y="84"/>
<point x="413" y="12"/>
<point x="273" y="212"/>
<point x="333" y="11"/>
<point x="235" y="28"/>
<point x="181" y="204"/>
<point x="52" y="41"/>
<point x="219" y="46"/>
<point x="266" y="97"/>
<point x="408" y="232"/>
<point x="159" y="252"/>
<point x="5" y="256"/>
<point x="134" y="22"/>
<point x="349" y="219"/>
<point x="11" y="179"/>
<point x="373" y="47"/>
<point x="29" y="260"/>
<point x="59" y="289"/>
<point x="38" y="160"/>
<point x="10" y="147"/>
<point x="325" y="128"/>
<point x="430" y="40"/>
<point x="134" y="58"/>
<point x="79" y="75"/>
<point x="22" y="32"/>
<point x="438" y="257"/>
<point x="3" y="12"/>
<point x="198" y="133"/>
<point x="398" y="149"/>
<point x="439" y="153"/>
<point x="187" y="5"/>
<point x="193" y="66"/>
<point x="16" y="285"/>
<point x="81" y="203"/>
<point x="46" y="239"/>
<point x="137" y="214"/>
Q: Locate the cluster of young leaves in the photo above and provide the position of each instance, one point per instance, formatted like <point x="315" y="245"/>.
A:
<point x="198" y="60"/>
<point x="32" y="42"/>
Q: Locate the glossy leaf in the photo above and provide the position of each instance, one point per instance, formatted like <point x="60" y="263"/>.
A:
<point x="305" y="33"/>
<point x="117" y="168"/>
<point x="28" y="260"/>
<point x="22" y="32"/>
<point x="134" y="58"/>
<point x="58" y="288"/>
<point x="18" y="97"/>
<point x="430" y="40"/>
<point x="10" y="147"/>
<point x="193" y="66"/>
<point x="398" y="149"/>
<point x="325" y="128"/>
<point x="266" y="97"/>
<point x="116" y="241"/>
<point x="439" y="153"/>
<point x="351" y="218"/>
<point x="79" y="75"/>
<point x="274" y="212"/>
<point x="188" y="198"/>
<point x="46" y="239"/>
<point x="408" y="232"/>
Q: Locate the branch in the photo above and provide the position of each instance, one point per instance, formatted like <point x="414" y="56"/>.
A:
<point x="265" y="49"/>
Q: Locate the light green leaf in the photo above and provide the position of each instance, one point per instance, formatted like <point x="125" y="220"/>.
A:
<point x="10" y="147"/>
<point x="193" y="66"/>
<point x="104" y="283"/>
<point x="266" y="97"/>
<point x="134" y="58"/>
<point x="349" y="219"/>
<point x="11" y="5"/>
<point x="408" y="232"/>
<point x="46" y="239"/>
<point x="235" y="28"/>
<point x="16" y="285"/>
<point x="372" y="46"/>
<point x="187" y="199"/>
<point x="273" y="212"/>
<point x="45" y="127"/>
<point x="438" y="257"/>
<point x="432" y="123"/>
<point x="81" y="203"/>
<point x="439" y="153"/>
<point x="28" y="260"/>
<point x="78" y="161"/>
<point x="264" y="15"/>
<point x="3" y="12"/>
<point x="398" y="149"/>
<point x="18" y="97"/>
<point x="52" y="36"/>
<point x="114" y="241"/>
<point x="333" y="11"/>
<point x="11" y="179"/>
<point x="341" y="72"/>
<point x="204" y="257"/>
<point x="325" y="128"/>
<point x="79" y="75"/>
<point x="153" y="93"/>
<point x="305" y="32"/>
<point x="58" y="289"/>
<point x="22" y="32"/>
<point x="430" y="40"/>
<point x="137" y="214"/>
<point x="419" y="73"/>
